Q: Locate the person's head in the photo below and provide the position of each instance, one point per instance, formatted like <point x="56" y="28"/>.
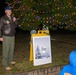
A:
<point x="72" y="58"/>
<point x="8" y="11"/>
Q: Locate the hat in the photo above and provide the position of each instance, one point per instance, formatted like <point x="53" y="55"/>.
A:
<point x="7" y="8"/>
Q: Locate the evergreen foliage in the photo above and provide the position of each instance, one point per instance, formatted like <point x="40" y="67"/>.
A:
<point x="56" y="14"/>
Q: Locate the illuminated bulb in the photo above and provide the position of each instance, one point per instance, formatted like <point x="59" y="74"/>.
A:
<point x="43" y="21"/>
<point x="54" y="0"/>
<point x="46" y="3"/>
<point x="33" y="20"/>
<point x="71" y="24"/>
<point x="40" y="3"/>
<point x="58" y="8"/>
<point x="47" y="18"/>
<point x="31" y="0"/>
<point x="47" y="22"/>
<point x="74" y="13"/>
<point x="58" y="14"/>
<point x="57" y="21"/>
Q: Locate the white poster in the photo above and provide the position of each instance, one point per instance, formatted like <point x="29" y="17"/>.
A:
<point x="42" y="50"/>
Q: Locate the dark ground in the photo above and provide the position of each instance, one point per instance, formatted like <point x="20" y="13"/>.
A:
<point x="62" y="43"/>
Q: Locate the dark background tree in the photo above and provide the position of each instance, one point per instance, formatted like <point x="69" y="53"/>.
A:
<point x="2" y="4"/>
<point x="56" y="14"/>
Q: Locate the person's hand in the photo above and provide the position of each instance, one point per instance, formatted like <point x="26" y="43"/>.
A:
<point x="67" y="74"/>
<point x="1" y="39"/>
<point x="14" y="19"/>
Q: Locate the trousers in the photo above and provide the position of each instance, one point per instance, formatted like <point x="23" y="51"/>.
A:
<point x="8" y="50"/>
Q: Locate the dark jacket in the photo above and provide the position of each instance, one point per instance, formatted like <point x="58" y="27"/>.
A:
<point x="7" y="26"/>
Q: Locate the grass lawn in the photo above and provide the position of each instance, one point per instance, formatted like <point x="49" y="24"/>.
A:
<point x="61" y="46"/>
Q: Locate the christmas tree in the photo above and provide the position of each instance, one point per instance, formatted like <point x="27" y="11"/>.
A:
<point x="56" y="14"/>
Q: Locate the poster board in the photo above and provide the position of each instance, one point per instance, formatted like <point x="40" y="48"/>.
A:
<point x="41" y="50"/>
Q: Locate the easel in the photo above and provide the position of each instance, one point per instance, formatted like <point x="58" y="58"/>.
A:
<point x="40" y="33"/>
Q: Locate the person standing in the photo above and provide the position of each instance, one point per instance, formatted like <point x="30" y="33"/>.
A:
<point x="7" y="36"/>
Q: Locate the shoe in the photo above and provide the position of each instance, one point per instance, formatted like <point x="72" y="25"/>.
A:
<point x="8" y="68"/>
<point x="13" y="63"/>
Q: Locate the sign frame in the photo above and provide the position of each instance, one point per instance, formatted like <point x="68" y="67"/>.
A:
<point x="41" y="50"/>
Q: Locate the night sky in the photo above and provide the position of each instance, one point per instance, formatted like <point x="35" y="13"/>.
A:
<point x="2" y="5"/>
